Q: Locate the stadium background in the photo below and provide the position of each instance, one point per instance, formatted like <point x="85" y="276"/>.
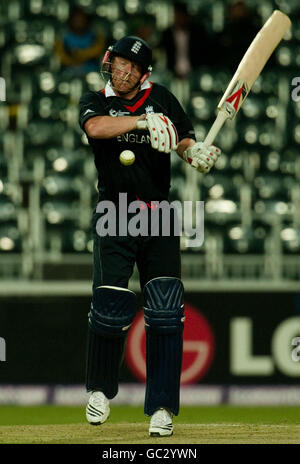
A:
<point x="243" y="282"/>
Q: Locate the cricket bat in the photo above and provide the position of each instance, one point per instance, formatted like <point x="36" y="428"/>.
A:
<point x="255" y="58"/>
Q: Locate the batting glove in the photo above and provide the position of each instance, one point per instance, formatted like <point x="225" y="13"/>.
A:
<point x="202" y="157"/>
<point x="163" y="133"/>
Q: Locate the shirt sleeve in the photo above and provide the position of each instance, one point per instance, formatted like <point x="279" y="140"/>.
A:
<point x="89" y="106"/>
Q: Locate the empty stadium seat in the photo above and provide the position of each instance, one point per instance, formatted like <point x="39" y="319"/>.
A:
<point x="66" y="237"/>
<point x="10" y="238"/>
<point x="245" y="240"/>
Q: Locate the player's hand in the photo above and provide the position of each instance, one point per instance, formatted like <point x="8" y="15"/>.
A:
<point x="202" y="157"/>
<point x="163" y="133"/>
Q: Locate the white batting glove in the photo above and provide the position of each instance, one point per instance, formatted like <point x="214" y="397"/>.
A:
<point x="163" y="133"/>
<point x="202" y="157"/>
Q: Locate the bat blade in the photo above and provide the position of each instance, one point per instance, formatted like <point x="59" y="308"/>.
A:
<point x="254" y="60"/>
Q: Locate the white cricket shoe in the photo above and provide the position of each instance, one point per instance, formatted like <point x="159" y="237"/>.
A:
<point x="161" y="423"/>
<point x="97" y="410"/>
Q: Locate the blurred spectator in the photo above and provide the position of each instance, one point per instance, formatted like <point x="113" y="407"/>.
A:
<point x="143" y="26"/>
<point x="80" y="49"/>
<point x="185" y="43"/>
<point x="241" y="26"/>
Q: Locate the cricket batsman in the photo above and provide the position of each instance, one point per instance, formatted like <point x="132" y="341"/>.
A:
<point x="133" y="113"/>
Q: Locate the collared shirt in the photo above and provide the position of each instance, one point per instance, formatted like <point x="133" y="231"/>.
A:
<point x="148" y="178"/>
<point x="109" y="91"/>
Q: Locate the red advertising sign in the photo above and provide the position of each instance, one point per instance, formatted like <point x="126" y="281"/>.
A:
<point x="198" y="346"/>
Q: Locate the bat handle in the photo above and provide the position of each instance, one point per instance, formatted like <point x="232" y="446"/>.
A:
<point x="142" y="125"/>
<point x="215" y="128"/>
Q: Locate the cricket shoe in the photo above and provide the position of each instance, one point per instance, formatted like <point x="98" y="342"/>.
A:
<point x="97" y="410"/>
<point x="161" y="423"/>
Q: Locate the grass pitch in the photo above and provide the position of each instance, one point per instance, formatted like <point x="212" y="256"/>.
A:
<point x="128" y="425"/>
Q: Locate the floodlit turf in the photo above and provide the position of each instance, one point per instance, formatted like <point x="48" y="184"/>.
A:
<point x="213" y="424"/>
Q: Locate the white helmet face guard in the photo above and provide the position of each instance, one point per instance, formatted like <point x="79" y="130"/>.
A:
<point x="107" y="75"/>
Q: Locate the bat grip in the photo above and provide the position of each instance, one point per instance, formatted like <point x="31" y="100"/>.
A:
<point x="142" y="125"/>
<point x="215" y="128"/>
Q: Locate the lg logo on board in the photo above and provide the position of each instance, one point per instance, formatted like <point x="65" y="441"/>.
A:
<point x="284" y="349"/>
<point x="198" y="346"/>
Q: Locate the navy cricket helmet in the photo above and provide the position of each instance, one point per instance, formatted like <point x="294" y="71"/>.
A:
<point x="133" y="48"/>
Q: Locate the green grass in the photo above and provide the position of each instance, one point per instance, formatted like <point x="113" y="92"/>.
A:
<point x="127" y="424"/>
<point x="42" y="415"/>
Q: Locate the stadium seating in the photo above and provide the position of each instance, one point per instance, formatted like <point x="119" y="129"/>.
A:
<point x="47" y="169"/>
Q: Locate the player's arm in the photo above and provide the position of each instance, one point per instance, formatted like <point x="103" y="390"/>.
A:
<point x="199" y="155"/>
<point x="183" y="145"/>
<point x="97" y="124"/>
<point x="108" y="127"/>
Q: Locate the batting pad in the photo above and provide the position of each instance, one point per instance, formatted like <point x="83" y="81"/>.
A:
<point x="164" y="316"/>
<point x="104" y="358"/>
<point x="112" y="312"/>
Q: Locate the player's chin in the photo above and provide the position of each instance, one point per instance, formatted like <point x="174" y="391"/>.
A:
<point x="125" y="86"/>
<point x="128" y="84"/>
<point x="120" y="85"/>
